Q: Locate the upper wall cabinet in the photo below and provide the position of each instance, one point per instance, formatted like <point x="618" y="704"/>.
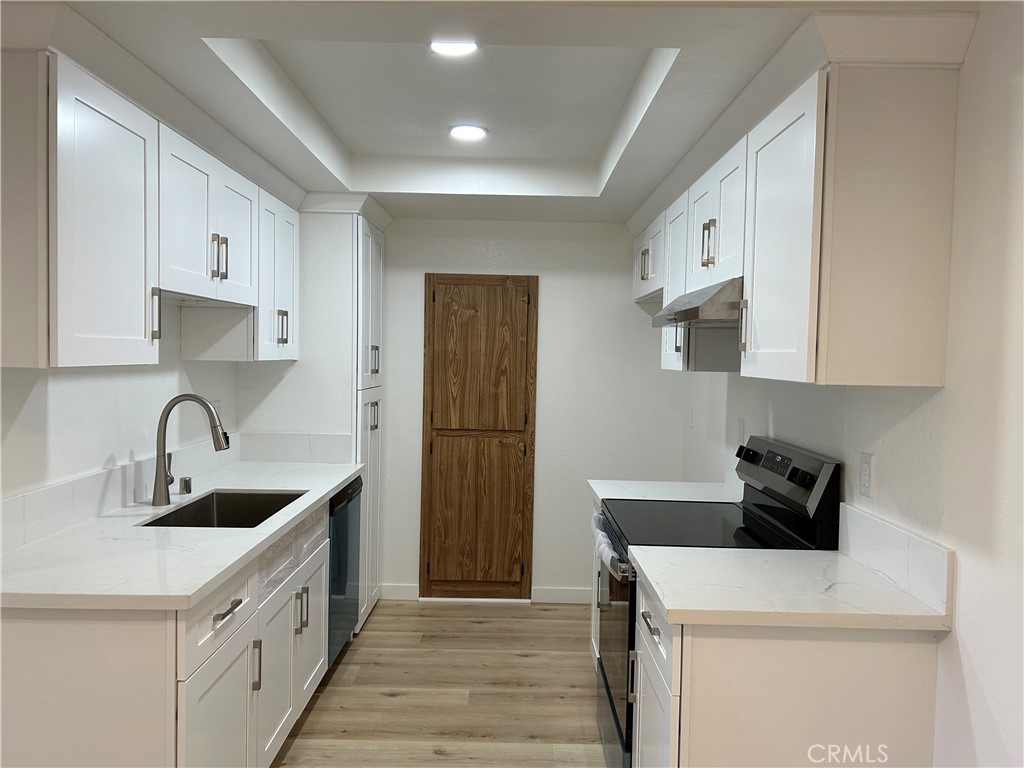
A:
<point x="676" y="249"/>
<point x="649" y="261"/>
<point x="209" y="222"/>
<point x="276" y="320"/>
<point x="848" y="236"/>
<point x="80" y="240"/>
<point x="716" y="222"/>
<point x="370" y="275"/>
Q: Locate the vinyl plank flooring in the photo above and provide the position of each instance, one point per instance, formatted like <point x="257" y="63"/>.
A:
<point x="456" y="684"/>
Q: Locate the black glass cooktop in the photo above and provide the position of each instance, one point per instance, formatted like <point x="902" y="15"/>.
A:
<point x="643" y="522"/>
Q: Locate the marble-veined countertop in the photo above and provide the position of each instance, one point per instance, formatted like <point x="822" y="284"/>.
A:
<point x="113" y="562"/>
<point x="776" y="588"/>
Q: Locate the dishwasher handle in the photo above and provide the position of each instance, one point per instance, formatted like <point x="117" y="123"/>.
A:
<point x="346" y="494"/>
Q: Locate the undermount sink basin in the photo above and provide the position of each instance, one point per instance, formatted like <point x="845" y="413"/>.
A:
<point x="228" y="509"/>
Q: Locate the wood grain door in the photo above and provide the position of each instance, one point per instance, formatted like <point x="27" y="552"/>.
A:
<point x="479" y="384"/>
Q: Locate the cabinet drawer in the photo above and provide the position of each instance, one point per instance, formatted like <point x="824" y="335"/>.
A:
<point x="659" y="635"/>
<point x="204" y="628"/>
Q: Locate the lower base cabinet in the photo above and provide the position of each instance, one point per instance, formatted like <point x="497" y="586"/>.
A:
<point x="794" y="694"/>
<point x="217" y="705"/>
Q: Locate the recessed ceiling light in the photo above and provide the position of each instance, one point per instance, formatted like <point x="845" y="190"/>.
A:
<point x="453" y="47"/>
<point x="467" y="132"/>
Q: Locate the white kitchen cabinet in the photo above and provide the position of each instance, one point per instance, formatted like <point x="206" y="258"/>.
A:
<point x="276" y="317"/>
<point x="716" y="221"/>
<point x="217" y="705"/>
<point x="80" y="200"/>
<point x="310" y="660"/>
<point x="270" y="331"/>
<point x="209" y="224"/>
<point x="293" y="658"/>
<point x="790" y="687"/>
<point x="368" y="453"/>
<point x="676" y="241"/>
<point x="655" y="745"/>
<point x="649" y="261"/>
<point x="846" y="263"/>
<point x="370" y="297"/>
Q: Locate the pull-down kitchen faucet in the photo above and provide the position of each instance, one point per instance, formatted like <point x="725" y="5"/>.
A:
<point x="161" y="497"/>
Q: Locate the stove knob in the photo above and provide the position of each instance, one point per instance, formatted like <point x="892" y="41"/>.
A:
<point x="806" y="480"/>
<point x="751" y="456"/>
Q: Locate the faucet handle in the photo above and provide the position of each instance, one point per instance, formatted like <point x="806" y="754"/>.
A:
<point x="170" y="477"/>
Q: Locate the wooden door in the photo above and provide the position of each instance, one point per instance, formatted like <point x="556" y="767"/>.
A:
<point x="479" y="379"/>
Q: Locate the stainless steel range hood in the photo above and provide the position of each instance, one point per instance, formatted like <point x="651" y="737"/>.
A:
<point x="717" y="304"/>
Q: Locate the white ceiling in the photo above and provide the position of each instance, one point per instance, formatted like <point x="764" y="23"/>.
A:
<point x="589" y="106"/>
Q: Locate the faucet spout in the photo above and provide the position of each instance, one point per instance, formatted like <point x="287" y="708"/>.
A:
<point x="161" y="496"/>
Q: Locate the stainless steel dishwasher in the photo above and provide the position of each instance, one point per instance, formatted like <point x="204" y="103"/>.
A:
<point x="344" y="604"/>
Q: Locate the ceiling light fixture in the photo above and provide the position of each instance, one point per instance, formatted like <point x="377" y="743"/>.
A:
<point x="467" y="132"/>
<point x="453" y="47"/>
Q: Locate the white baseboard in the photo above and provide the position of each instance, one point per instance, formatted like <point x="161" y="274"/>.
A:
<point x="399" y="591"/>
<point x="561" y="595"/>
<point x="579" y="595"/>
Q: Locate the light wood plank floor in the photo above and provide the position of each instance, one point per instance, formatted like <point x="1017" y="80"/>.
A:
<point x="450" y="684"/>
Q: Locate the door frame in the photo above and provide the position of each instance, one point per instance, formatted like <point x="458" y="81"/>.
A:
<point x="531" y="282"/>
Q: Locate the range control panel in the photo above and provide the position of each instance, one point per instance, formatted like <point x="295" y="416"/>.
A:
<point x="794" y="471"/>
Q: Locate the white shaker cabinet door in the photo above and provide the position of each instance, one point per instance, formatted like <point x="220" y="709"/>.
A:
<point x="188" y="259"/>
<point x="780" y="276"/>
<point x="729" y="176"/>
<point x="236" y="222"/>
<point x="276" y="320"/>
<point x="654" y="715"/>
<point x="676" y="241"/>
<point x="105" y="257"/>
<point x="310" y="660"/>
<point x="701" y="209"/>
<point x="278" y="620"/>
<point x="216" y="706"/>
<point x="370" y="268"/>
<point x="368" y="453"/>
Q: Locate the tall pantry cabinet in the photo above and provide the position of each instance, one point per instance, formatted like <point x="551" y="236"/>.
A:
<point x="369" y="377"/>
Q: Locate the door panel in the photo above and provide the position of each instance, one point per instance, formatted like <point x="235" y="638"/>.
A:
<point x="481" y="348"/>
<point x="454" y="491"/>
<point x="499" y="534"/>
<point x="479" y="389"/>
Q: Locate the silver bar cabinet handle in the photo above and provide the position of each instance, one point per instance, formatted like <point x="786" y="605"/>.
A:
<point x="712" y="232"/>
<point x="304" y="608"/>
<point x="287" y="327"/>
<point x="298" y="598"/>
<point x="744" y="306"/>
<point x="644" y="256"/>
<point x="219" y="617"/>
<point x="705" y="230"/>
<point x="646" y="616"/>
<point x="257" y="647"/>
<point x="215" y="242"/>
<point x="223" y="272"/>
<point x="156" y="301"/>
<point x="282" y="338"/>
<point x="679" y="339"/>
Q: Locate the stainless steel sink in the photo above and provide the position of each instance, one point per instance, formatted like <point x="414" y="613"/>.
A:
<point x="228" y="509"/>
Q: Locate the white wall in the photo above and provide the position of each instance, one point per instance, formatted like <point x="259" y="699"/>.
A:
<point x="63" y="423"/>
<point x="313" y="395"/>
<point x="603" y="404"/>
<point x="948" y="462"/>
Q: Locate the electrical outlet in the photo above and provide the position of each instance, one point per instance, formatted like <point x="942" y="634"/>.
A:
<point x="741" y="431"/>
<point x="867" y="470"/>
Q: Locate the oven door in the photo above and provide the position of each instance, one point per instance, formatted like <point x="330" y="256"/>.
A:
<point x="616" y="606"/>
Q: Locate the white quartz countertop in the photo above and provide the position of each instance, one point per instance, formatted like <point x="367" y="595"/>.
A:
<point x="113" y="562"/>
<point x="774" y="587"/>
